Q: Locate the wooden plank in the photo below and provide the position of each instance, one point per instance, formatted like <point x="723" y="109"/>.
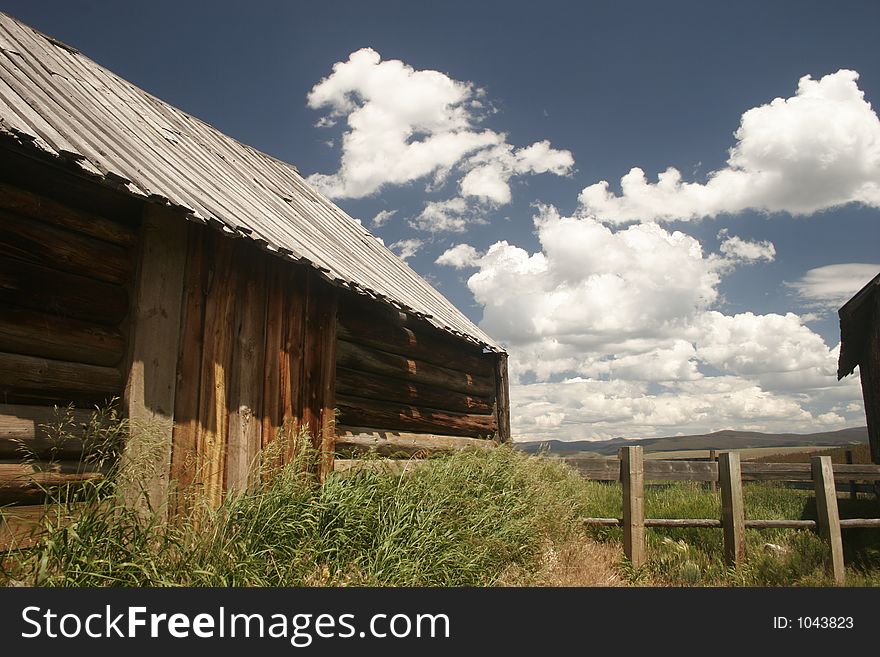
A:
<point x="27" y="430"/>
<point x="34" y="333"/>
<point x="682" y="470"/>
<point x="382" y="388"/>
<point x="853" y="490"/>
<point x="632" y="478"/>
<point x="293" y="335"/>
<point x="272" y="409"/>
<point x="827" y="514"/>
<point x="347" y="467"/>
<point x="184" y="450"/>
<point x="849" y="523"/>
<point x="502" y="398"/>
<point x="365" y="359"/>
<point x="30" y="373"/>
<point x="42" y="244"/>
<point x="155" y="332"/>
<point x="683" y="522"/>
<point x="60" y="293"/>
<point x="360" y="412"/>
<point x="713" y="457"/>
<point x="596" y="468"/>
<point x="361" y="325"/>
<point x="602" y="522"/>
<point x="246" y="385"/>
<point x="389" y="443"/>
<point x="732" y="510"/>
<point x="219" y="338"/>
<point x="27" y="482"/>
<point x="46" y="209"/>
<point x="327" y="325"/>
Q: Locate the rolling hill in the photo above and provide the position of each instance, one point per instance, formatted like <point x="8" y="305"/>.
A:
<point x="728" y="439"/>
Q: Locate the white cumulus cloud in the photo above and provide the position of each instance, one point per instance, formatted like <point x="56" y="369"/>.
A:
<point x="816" y="150"/>
<point x="405" y="124"/>
<point x="833" y="285"/>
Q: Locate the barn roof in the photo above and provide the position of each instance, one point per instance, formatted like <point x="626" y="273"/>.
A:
<point x="55" y="99"/>
<point x="856" y="316"/>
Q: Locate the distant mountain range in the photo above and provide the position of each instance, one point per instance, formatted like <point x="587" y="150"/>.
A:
<point x="727" y="439"/>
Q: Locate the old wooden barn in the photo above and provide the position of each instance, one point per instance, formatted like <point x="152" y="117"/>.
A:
<point x="147" y="256"/>
<point x="860" y="346"/>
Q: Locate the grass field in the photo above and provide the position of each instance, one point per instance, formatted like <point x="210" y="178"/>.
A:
<point x="486" y="518"/>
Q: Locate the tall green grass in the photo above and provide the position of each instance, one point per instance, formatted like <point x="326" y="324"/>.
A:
<point x="461" y="520"/>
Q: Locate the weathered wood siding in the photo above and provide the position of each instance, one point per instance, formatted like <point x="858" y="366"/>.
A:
<point x="65" y="278"/>
<point x="257" y="339"/>
<point x="396" y="373"/>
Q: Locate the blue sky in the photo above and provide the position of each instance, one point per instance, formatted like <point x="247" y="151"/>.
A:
<point x="703" y="303"/>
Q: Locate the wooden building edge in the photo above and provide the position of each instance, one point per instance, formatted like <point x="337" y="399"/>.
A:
<point x="214" y="340"/>
<point x="860" y="347"/>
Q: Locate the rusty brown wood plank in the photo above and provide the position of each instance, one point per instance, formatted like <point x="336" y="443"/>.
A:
<point x="383" y="388"/>
<point x="502" y="398"/>
<point x="26" y="430"/>
<point x="246" y="377"/>
<point x="44" y="375"/>
<point x="365" y="359"/>
<point x="390" y="443"/>
<point x="356" y="411"/>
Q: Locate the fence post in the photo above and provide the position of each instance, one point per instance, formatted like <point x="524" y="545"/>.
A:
<point x="733" y="518"/>
<point x="828" y="518"/>
<point x="713" y="458"/>
<point x="632" y="476"/>
<point x="853" y="491"/>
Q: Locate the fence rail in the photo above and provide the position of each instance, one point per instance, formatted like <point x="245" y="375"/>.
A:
<point x="632" y="471"/>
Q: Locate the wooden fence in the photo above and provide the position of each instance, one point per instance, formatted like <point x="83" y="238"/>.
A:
<point x="632" y="471"/>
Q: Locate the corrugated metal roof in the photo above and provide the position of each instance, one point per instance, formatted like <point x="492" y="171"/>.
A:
<point x="55" y="99"/>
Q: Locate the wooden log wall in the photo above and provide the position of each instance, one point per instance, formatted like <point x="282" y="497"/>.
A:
<point x="402" y="386"/>
<point x="65" y="275"/>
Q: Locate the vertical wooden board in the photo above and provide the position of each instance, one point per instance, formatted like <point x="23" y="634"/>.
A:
<point x="828" y="518"/>
<point x="632" y="473"/>
<point x="326" y="394"/>
<point x="733" y="519"/>
<point x="184" y="451"/>
<point x="154" y="334"/>
<point x="272" y="409"/>
<point x="312" y="364"/>
<point x="291" y="356"/>
<point x="219" y="338"/>
<point x="502" y="398"/>
<point x="246" y="377"/>
<point x="869" y="373"/>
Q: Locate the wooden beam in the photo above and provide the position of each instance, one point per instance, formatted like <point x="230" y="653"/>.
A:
<point x="60" y="293"/>
<point x="383" y="388"/>
<point x="632" y="477"/>
<point x="26" y="430"/>
<point x="45" y="375"/>
<point x="45" y="209"/>
<point x="327" y="325"/>
<point x="733" y="517"/>
<point x="361" y="325"/>
<point x="360" y="412"/>
<point x="40" y="244"/>
<point x="502" y="398"/>
<point x="152" y="376"/>
<point x="828" y="517"/>
<point x="390" y="443"/>
<point x="217" y="348"/>
<point x="28" y="482"/>
<point x="184" y="451"/>
<point x="365" y="359"/>
<point x="34" y="333"/>
<point x="246" y="377"/>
